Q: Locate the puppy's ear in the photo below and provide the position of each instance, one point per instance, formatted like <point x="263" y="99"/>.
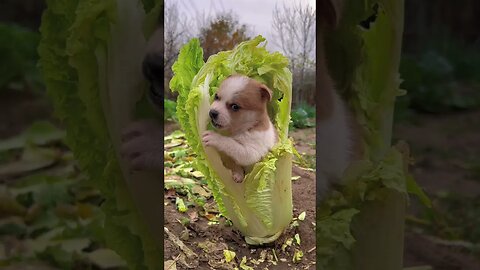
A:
<point x="266" y="93"/>
<point x="330" y="12"/>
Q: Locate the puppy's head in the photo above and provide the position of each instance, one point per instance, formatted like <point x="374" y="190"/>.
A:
<point x="240" y="104"/>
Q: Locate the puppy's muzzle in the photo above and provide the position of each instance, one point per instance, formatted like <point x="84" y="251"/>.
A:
<point x="213" y="114"/>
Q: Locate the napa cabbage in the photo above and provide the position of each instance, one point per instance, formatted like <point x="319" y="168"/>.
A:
<point x="261" y="206"/>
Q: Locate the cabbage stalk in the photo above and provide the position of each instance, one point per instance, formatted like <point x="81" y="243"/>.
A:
<point x="261" y="206"/>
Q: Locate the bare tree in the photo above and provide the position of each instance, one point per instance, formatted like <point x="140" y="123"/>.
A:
<point x="294" y="32"/>
<point x="176" y="33"/>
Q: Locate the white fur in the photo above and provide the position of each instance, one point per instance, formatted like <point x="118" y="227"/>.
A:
<point x="231" y="86"/>
<point x="234" y="84"/>
<point x="335" y="144"/>
<point x="245" y="148"/>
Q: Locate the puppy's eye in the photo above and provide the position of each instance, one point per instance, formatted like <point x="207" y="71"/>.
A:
<point x="216" y="97"/>
<point x="235" y="107"/>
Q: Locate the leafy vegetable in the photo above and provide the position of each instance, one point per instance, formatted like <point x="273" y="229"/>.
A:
<point x="170" y="112"/>
<point x="90" y="55"/>
<point x="368" y="208"/>
<point x="303" y="116"/>
<point x="261" y="206"/>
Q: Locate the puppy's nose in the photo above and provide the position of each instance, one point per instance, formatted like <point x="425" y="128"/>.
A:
<point x="213" y="114"/>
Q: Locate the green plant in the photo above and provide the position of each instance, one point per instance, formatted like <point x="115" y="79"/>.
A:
<point x="19" y="56"/>
<point x="170" y="110"/>
<point x="444" y="76"/>
<point x="261" y="206"/>
<point x="303" y="116"/>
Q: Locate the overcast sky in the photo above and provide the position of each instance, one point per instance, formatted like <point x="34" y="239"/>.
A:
<point x="257" y="14"/>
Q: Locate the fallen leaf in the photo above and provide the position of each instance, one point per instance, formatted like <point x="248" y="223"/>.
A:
<point x="172" y="181"/>
<point x="302" y="216"/>
<point x="200" y="191"/>
<point x="193" y="215"/>
<point x="12" y="226"/>
<point x="180" y="205"/>
<point x="288" y="242"/>
<point x="294" y="224"/>
<point x="297" y="238"/>
<point x="32" y="159"/>
<point x="184" y="221"/>
<point x="243" y="264"/>
<point x="294" y="178"/>
<point x="229" y="255"/>
<point x="206" y="246"/>
<point x="184" y="235"/>
<point x="297" y="256"/>
<point x="211" y="217"/>
<point x="106" y="258"/>
<point x="263" y="255"/>
<point x="73" y="245"/>
<point x="173" y="144"/>
<point x="197" y="174"/>
<point x="39" y="133"/>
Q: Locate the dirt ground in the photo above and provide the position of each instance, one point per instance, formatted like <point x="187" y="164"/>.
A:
<point x="444" y="147"/>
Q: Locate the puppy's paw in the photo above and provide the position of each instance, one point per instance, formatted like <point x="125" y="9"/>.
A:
<point x="211" y="138"/>
<point x="142" y="146"/>
<point x="238" y="176"/>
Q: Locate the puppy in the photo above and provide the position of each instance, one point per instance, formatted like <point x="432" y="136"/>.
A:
<point x="239" y="111"/>
<point x="338" y="134"/>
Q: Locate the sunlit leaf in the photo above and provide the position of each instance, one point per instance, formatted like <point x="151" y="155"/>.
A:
<point x="297" y="256"/>
<point x="31" y="160"/>
<point x="243" y="264"/>
<point x="229" y="255"/>
<point x="297" y="238"/>
<point x="39" y="133"/>
<point x="180" y="205"/>
<point x="106" y="258"/>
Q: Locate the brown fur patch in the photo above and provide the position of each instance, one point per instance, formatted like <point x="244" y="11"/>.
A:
<point x="253" y="98"/>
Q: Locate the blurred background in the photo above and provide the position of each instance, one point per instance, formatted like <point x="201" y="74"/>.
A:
<point x="440" y="119"/>
<point x="41" y="189"/>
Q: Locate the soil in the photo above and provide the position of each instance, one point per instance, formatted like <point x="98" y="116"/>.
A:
<point x="443" y="147"/>
<point x="222" y="236"/>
